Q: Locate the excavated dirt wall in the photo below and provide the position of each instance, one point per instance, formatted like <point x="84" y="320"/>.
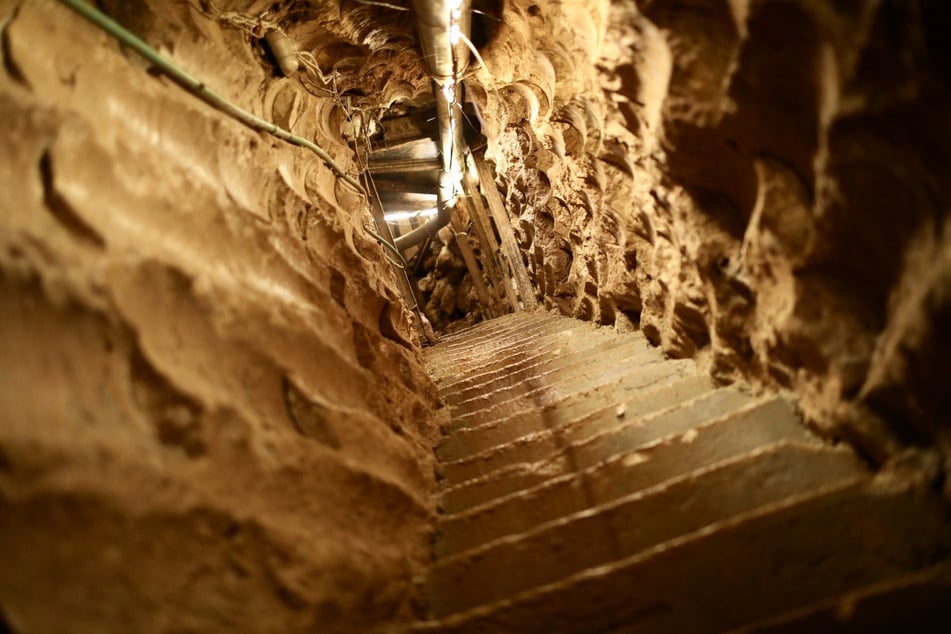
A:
<point x="761" y="184"/>
<point x="213" y="411"/>
<point x="211" y="396"/>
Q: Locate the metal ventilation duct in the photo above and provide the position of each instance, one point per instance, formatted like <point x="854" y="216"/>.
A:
<point x="444" y="28"/>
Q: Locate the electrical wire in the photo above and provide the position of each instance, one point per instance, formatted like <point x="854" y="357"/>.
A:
<point x="385" y="5"/>
<point x="361" y="153"/>
<point x="201" y="91"/>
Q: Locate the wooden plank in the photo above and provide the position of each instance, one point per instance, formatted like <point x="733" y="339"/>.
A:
<point x="509" y="244"/>
<point x="496" y="270"/>
<point x="459" y="233"/>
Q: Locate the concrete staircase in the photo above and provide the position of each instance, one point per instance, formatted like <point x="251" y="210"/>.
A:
<point x="590" y="485"/>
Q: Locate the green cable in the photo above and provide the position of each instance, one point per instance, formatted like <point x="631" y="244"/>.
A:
<point x="199" y="89"/>
<point x="383" y="241"/>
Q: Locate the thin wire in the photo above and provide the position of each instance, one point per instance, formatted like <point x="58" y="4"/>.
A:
<point x="486" y="15"/>
<point x="392" y="247"/>
<point x="419" y="258"/>
<point x="201" y="91"/>
<point x="361" y="154"/>
<point x="385" y="5"/>
<point x="475" y="52"/>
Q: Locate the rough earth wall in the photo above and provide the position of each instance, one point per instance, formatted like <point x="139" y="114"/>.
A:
<point x="213" y="413"/>
<point x="761" y="184"/>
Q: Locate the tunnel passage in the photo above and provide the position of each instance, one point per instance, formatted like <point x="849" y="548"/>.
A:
<point x="219" y="410"/>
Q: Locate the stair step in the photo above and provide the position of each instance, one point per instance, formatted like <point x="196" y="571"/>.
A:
<point x="517" y="563"/>
<point x="916" y="602"/>
<point x="624" y="399"/>
<point x="627" y="353"/>
<point x="476" y="366"/>
<point x="547" y="442"/>
<point x="494" y="327"/>
<point x="581" y="401"/>
<point x="493" y="447"/>
<point x="759" y="424"/>
<point x="626" y="388"/>
<point x="535" y="360"/>
<point x="809" y="547"/>
<point x="620" y="439"/>
<point x="451" y="365"/>
<point x="573" y="388"/>
<point x="565" y="494"/>
<point x="495" y="345"/>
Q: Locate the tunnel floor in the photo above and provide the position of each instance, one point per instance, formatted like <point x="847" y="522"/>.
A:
<point x="591" y="485"/>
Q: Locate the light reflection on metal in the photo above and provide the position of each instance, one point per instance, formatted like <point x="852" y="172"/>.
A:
<point x="396" y="216"/>
<point x="444" y="27"/>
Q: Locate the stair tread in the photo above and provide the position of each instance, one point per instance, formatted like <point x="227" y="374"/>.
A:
<point x="625" y="400"/>
<point x="497" y="342"/>
<point x="591" y="451"/>
<point x="620" y="354"/>
<point x="621" y="474"/>
<point x="496" y="446"/>
<point x="621" y="391"/>
<point x="625" y="526"/>
<point x="780" y="545"/>
<point x="494" y="326"/>
<point x="560" y="393"/>
<point x="526" y="352"/>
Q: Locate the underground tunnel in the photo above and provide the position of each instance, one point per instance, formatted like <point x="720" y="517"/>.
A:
<point x="349" y="316"/>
